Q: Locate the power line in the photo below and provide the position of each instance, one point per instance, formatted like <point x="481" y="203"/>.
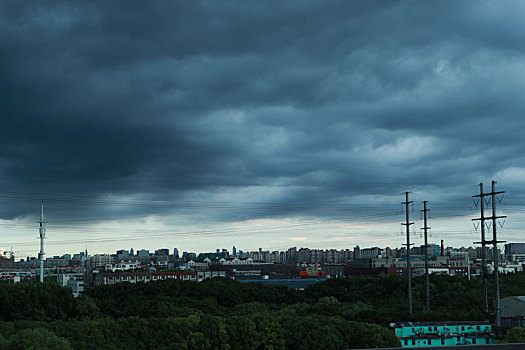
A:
<point x="345" y="219"/>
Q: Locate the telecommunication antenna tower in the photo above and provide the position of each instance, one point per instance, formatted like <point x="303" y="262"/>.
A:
<point x="42" y="236"/>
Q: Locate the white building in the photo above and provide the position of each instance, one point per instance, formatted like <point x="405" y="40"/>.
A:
<point x="72" y="280"/>
<point x="122" y="266"/>
<point x="235" y="261"/>
<point x="99" y="260"/>
<point x="136" y="277"/>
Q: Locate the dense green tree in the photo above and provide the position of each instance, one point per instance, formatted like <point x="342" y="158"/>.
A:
<point x="4" y="343"/>
<point x="271" y="333"/>
<point x="38" y="338"/>
<point x="86" y="307"/>
<point x="32" y="300"/>
<point x="515" y="335"/>
<point x="224" y="314"/>
<point x="198" y="341"/>
<point x="242" y="333"/>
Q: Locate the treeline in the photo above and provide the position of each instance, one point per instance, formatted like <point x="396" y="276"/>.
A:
<point x="378" y="300"/>
<point x="225" y="314"/>
<point x="200" y="332"/>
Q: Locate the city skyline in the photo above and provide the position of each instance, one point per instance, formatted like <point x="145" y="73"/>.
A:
<point x="208" y="124"/>
<point x="127" y="244"/>
<point x="510" y="252"/>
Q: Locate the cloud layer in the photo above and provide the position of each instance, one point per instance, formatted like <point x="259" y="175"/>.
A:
<point x="262" y="105"/>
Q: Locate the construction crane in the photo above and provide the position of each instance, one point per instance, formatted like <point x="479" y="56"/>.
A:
<point x="7" y="257"/>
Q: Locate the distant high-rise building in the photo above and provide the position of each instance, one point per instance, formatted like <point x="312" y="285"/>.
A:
<point x="142" y="253"/>
<point x="162" y="252"/>
<point x="99" y="260"/>
<point x="234" y="251"/>
<point x="357" y="252"/>
<point x="187" y="256"/>
<point x="370" y="253"/>
<point x="79" y="256"/>
<point x="122" y="254"/>
<point x="514" y="251"/>
<point x="175" y="253"/>
<point x="432" y="249"/>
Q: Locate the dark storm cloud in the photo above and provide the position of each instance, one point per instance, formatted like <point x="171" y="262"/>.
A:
<point x="314" y="101"/>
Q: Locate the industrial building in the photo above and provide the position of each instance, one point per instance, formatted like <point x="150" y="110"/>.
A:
<point x="428" y="334"/>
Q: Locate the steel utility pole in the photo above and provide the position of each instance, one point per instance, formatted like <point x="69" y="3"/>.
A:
<point x="483" y="252"/>
<point x="42" y="236"/>
<point x="409" y="269"/>
<point x="425" y="228"/>
<point x="495" y="242"/>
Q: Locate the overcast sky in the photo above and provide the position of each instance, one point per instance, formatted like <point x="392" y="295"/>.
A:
<point x="207" y="124"/>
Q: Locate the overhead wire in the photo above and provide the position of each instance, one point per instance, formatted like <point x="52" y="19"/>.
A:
<point x="336" y="205"/>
